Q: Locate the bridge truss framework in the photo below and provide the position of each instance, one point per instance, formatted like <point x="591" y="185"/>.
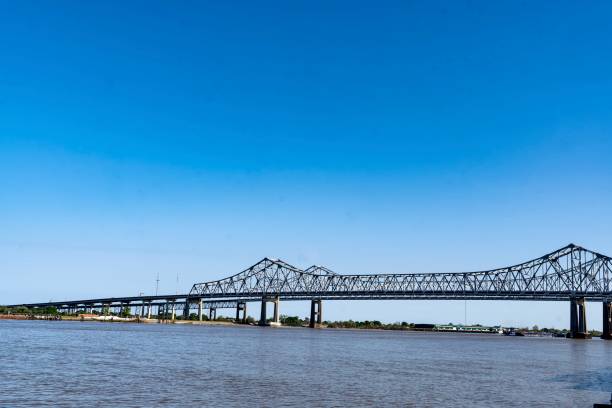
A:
<point x="571" y="273"/>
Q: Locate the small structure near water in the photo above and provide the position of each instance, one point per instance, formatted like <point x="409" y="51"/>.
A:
<point x="605" y="405"/>
<point x="458" y="328"/>
<point x="469" y="329"/>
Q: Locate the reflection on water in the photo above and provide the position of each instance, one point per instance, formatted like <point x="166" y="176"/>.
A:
<point x="106" y="364"/>
<point x="589" y="379"/>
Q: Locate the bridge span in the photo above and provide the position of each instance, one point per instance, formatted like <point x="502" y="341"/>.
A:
<point x="572" y="273"/>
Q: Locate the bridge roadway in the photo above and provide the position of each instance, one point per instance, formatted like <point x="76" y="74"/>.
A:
<point x="571" y="273"/>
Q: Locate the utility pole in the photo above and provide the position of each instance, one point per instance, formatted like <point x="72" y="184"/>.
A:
<point x="157" y="284"/>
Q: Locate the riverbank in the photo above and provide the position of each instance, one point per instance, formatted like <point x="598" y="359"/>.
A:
<point x="294" y="322"/>
<point x="111" y="319"/>
<point x="14" y="317"/>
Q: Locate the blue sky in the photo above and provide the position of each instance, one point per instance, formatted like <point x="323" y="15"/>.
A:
<point x="196" y="138"/>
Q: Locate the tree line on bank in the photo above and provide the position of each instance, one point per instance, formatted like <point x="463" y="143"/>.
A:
<point x="347" y="324"/>
<point x="126" y="312"/>
<point x="22" y="310"/>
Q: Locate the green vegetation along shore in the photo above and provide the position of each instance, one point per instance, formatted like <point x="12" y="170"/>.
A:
<point x="51" y="313"/>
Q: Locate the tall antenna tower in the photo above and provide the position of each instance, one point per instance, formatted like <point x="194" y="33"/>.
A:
<point x="157" y="284"/>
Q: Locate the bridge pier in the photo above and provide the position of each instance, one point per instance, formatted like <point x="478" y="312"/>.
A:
<point x="173" y="311"/>
<point x="573" y="317"/>
<point x="263" y="318"/>
<point x="578" y="326"/>
<point x="200" y="309"/>
<point x="262" y="315"/>
<point x="607" y="320"/>
<point x="212" y="313"/>
<point x="161" y="311"/>
<point x="276" y="320"/>
<point x="316" y="313"/>
<point x="149" y="310"/>
<point x="186" y="309"/>
<point x="241" y="306"/>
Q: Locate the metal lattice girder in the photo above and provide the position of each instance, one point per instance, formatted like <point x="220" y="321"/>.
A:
<point x="569" y="271"/>
<point x="219" y="304"/>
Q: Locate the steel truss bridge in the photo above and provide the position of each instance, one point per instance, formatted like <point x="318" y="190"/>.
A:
<point x="571" y="273"/>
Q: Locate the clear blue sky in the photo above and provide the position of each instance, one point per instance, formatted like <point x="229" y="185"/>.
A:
<point x="139" y="138"/>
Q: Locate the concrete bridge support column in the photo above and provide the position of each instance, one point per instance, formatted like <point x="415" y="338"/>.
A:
<point x="316" y="313"/>
<point x="186" y="309"/>
<point x="578" y="326"/>
<point x="573" y="317"/>
<point x="161" y="312"/>
<point x="173" y="311"/>
<point x="149" y="310"/>
<point x="607" y="320"/>
<point x="582" y="328"/>
<point x="200" y="309"/>
<point x="262" y="316"/>
<point x="241" y="307"/>
<point x="212" y="313"/>
<point x="276" y="320"/>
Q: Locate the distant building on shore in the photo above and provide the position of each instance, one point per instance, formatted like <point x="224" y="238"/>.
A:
<point x="468" y="329"/>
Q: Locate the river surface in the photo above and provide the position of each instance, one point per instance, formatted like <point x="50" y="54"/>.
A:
<point x="84" y="364"/>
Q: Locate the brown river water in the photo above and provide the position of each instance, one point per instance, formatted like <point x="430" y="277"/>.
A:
<point x="79" y="364"/>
